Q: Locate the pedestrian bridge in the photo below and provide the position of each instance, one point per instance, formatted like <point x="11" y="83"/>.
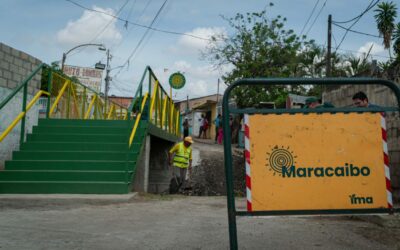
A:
<point x="86" y="143"/>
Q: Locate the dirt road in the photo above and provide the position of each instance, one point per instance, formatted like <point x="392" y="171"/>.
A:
<point x="175" y="222"/>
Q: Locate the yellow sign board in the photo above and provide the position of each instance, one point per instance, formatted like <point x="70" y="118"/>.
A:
<point x="315" y="161"/>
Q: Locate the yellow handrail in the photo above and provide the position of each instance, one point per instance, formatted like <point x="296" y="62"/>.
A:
<point x="59" y="97"/>
<point x="90" y="107"/>
<point x="137" y="120"/>
<point x="75" y="100"/>
<point x="22" y="114"/>
<point x="111" y="111"/>
<point x="163" y="111"/>
<point x="152" y="102"/>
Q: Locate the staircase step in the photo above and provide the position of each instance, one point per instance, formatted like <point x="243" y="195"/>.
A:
<point x="94" y="165"/>
<point x="80" y="122"/>
<point x="112" y="138"/>
<point x="63" y="187"/>
<point x="77" y="146"/>
<point x="74" y="155"/>
<point x="81" y="130"/>
<point x="63" y="175"/>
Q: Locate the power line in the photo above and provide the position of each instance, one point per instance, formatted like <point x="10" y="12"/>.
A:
<point x="309" y="17"/>
<point x="142" y="39"/>
<point x="137" y="24"/>
<point x="360" y="15"/>
<point x="355" y="31"/>
<point x="316" y="17"/>
<point x="104" y="29"/>
<point x="369" y="7"/>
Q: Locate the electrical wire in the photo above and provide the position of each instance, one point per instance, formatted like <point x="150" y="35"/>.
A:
<point x="104" y="29"/>
<point x="139" y="25"/>
<point x="316" y="17"/>
<point x="309" y="17"/>
<point x="142" y="39"/>
<point x="370" y="6"/>
<point x="355" y="31"/>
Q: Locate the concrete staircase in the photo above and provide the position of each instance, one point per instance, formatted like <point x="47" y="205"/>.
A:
<point x="75" y="157"/>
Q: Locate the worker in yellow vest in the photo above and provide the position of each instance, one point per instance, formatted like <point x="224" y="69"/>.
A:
<point x="180" y="157"/>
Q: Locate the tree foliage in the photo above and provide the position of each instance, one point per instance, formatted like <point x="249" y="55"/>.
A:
<point x="263" y="47"/>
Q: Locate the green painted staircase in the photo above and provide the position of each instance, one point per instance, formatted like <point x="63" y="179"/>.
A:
<point x="75" y="157"/>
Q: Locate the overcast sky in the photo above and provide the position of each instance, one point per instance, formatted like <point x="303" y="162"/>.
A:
<point x="46" y="29"/>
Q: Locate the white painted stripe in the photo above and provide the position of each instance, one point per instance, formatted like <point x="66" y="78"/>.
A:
<point x="385" y="148"/>
<point x="248" y="193"/>
<point x="383" y="122"/>
<point x="246" y="119"/>
<point x="389" y="197"/>
<point x="247" y="169"/>
<point x="387" y="172"/>
<point x="247" y="144"/>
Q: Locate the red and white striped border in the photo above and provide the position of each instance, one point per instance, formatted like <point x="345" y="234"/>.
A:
<point x="386" y="162"/>
<point x="247" y="157"/>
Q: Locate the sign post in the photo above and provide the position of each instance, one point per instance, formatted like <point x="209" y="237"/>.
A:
<point x="311" y="161"/>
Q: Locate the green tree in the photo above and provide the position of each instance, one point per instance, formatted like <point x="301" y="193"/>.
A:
<point x="396" y="42"/>
<point x="261" y="47"/>
<point x="385" y="20"/>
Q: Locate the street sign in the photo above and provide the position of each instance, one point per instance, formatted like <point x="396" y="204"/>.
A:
<point x="87" y="76"/>
<point x="314" y="161"/>
<point x="177" y="80"/>
<point x="317" y="161"/>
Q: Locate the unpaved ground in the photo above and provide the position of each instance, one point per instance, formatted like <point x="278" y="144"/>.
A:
<point x="208" y="177"/>
<point x="176" y="222"/>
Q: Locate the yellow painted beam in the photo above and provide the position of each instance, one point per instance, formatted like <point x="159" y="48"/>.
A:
<point x="22" y="114"/>
<point x="110" y="113"/>
<point x="152" y="101"/>
<point x="59" y="97"/>
<point x="137" y="120"/>
<point x="164" y="109"/>
<point x="90" y="107"/>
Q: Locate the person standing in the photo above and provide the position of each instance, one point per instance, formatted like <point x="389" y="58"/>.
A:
<point x="180" y="157"/>
<point x="201" y="120"/>
<point x="217" y="122"/>
<point x="185" y="128"/>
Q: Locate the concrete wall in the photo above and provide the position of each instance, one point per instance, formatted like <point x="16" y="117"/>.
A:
<point x="15" y="66"/>
<point x="342" y="97"/>
<point x="159" y="173"/>
<point x="152" y="173"/>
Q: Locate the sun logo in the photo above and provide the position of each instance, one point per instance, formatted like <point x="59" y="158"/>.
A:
<point x="280" y="157"/>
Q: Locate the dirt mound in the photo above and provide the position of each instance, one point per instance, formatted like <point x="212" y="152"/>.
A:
<point x="208" y="178"/>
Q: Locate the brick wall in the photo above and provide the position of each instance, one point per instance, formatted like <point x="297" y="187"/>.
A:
<point x="15" y="66"/>
<point x="342" y="97"/>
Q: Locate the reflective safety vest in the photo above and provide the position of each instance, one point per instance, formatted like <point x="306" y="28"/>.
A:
<point x="182" y="156"/>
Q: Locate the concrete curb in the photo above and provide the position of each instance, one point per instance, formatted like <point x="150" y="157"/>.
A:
<point x="91" y="197"/>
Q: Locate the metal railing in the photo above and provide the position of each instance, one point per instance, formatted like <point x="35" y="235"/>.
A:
<point x="160" y="111"/>
<point x="66" y="98"/>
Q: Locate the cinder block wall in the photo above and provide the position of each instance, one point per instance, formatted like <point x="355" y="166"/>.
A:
<point x="15" y="66"/>
<point x="342" y="97"/>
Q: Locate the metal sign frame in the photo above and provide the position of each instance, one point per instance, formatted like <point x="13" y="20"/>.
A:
<point x="182" y="79"/>
<point x="232" y="213"/>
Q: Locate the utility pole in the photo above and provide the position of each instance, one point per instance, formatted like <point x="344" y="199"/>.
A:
<point x="217" y="95"/>
<point x="328" y="54"/>
<point x="107" y="83"/>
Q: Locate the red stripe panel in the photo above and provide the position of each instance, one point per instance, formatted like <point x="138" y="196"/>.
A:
<point x="247" y="156"/>
<point x="384" y="135"/>
<point x="246" y="131"/>
<point x="386" y="159"/>
<point x="388" y="185"/>
<point x="249" y="208"/>
<point x="248" y="181"/>
<point x="389" y="206"/>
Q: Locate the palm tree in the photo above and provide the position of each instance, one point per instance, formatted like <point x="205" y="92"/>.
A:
<point x="396" y="41"/>
<point x="386" y="14"/>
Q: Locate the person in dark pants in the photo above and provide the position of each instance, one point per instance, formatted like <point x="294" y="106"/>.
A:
<point x="217" y="122"/>
<point x="185" y="128"/>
